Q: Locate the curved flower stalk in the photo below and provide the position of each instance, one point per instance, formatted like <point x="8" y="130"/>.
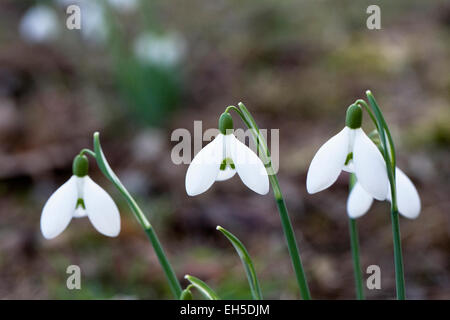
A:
<point x="80" y="197"/>
<point x="395" y="188"/>
<point x="142" y="219"/>
<point x="250" y="171"/>
<point x="359" y="201"/>
<point x="221" y="159"/>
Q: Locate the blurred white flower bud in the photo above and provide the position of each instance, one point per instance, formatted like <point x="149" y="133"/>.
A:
<point x="164" y="50"/>
<point x="39" y="24"/>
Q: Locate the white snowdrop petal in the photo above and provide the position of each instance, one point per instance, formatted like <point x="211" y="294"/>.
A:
<point x="58" y="209"/>
<point x="204" y="168"/>
<point x="408" y="200"/>
<point x="248" y="165"/>
<point x="358" y="202"/>
<point x="101" y="209"/>
<point x="328" y="162"/>
<point x="226" y="174"/>
<point x="370" y="168"/>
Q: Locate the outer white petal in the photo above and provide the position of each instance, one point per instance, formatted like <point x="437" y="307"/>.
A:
<point x="59" y="208"/>
<point x="358" y="202"/>
<point x="408" y="200"/>
<point x="370" y="168"/>
<point x="226" y="174"/>
<point x="248" y="165"/>
<point x="205" y="166"/>
<point x="101" y="209"/>
<point x="328" y="162"/>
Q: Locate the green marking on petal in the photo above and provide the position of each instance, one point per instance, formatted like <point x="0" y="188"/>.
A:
<point x="349" y="157"/>
<point x="80" y="202"/>
<point x="227" y="162"/>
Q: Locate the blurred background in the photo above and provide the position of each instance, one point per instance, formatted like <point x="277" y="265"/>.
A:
<point x="137" y="70"/>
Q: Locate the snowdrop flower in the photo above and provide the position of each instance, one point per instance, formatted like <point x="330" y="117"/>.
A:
<point x="80" y="197"/>
<point x="221" y="159"/>
<point x="39" y="24"/>
<point x="408" y="201"/>
<point x="350" y="150"/>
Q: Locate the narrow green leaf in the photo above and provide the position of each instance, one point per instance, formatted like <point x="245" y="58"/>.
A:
<point x="204" y="289"/>
<point x="186" y="294"/>
<point x="246" y="261"/>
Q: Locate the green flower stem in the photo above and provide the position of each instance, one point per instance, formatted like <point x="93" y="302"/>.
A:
<point x="87" y="151"/>
<point x="264" y="154"/>
<point x="140" y="216"/>
<point x="354" y="242"/>
<point x="390" y="159"/>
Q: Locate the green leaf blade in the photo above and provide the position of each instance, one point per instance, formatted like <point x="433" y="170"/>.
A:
<point x="202" y="287"/>
<point x="246" y="262"/>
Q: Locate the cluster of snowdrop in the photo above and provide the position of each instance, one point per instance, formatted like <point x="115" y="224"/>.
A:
<point x="353" y="151"/>
<point x="42" y="23"/>
<point x="350" y="150"/>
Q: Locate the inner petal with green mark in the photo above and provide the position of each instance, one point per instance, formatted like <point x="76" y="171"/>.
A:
<point x="80" y="209"/>
<point x="227" y="162"/>
<point x="227" y="170"/>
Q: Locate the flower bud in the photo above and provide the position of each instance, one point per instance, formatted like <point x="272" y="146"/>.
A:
<point x="225" y="123"/>
<point x="80" y="166"/>
<point x="353" y="119"/>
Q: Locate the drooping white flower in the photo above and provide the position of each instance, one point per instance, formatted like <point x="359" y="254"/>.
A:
<point x="408" y="200"/>
<point x="39" y="24"/>
<point x="80" y="197"/>
<point x="350" y="150"/>
<point x="221" y="159"/>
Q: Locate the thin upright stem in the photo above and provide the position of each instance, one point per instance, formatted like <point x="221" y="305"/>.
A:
<point x="398" y="257"/>
<point x="356" y="262"/>
<point x="174" y="284"/>
<point x="354" y="243"/>
<point x="290" y="239"/>
<point x="281" y="205"/>
<point x="390" y="159"/>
